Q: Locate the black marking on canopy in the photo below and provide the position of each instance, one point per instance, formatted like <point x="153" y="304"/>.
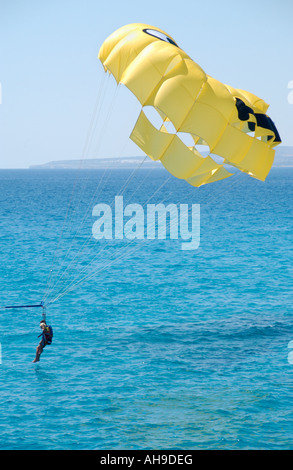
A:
<point x="159" y="35"/>
<point x="262" y="120"/>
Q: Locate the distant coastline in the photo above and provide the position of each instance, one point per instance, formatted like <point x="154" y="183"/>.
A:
<point x="98" y="163"/>
<point x="283" y="158"/>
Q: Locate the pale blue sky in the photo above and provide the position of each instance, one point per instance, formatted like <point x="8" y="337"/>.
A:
<point x="50" y="73"/>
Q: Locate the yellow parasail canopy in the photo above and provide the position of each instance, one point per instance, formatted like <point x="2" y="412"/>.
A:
<point x="232" y="123"/>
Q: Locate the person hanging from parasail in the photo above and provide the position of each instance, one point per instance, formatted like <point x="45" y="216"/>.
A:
<point x="46" y="338"/>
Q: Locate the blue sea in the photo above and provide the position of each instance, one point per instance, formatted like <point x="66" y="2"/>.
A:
<point x="154" y="347"/>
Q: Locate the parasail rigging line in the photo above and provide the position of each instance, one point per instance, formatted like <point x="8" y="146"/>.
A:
<point x="85" y="244"/>
<point x="123" y="249"/>
<point x="105" y="247"/>
<point x="83" y="187"/>
<point x="97" y="107"/>
<point x="53" y="278"/>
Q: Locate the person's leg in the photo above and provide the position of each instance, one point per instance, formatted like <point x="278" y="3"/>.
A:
<point x="38" y="352"/>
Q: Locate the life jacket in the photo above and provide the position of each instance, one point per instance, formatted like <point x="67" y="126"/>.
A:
<point x="48" y="334"/>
